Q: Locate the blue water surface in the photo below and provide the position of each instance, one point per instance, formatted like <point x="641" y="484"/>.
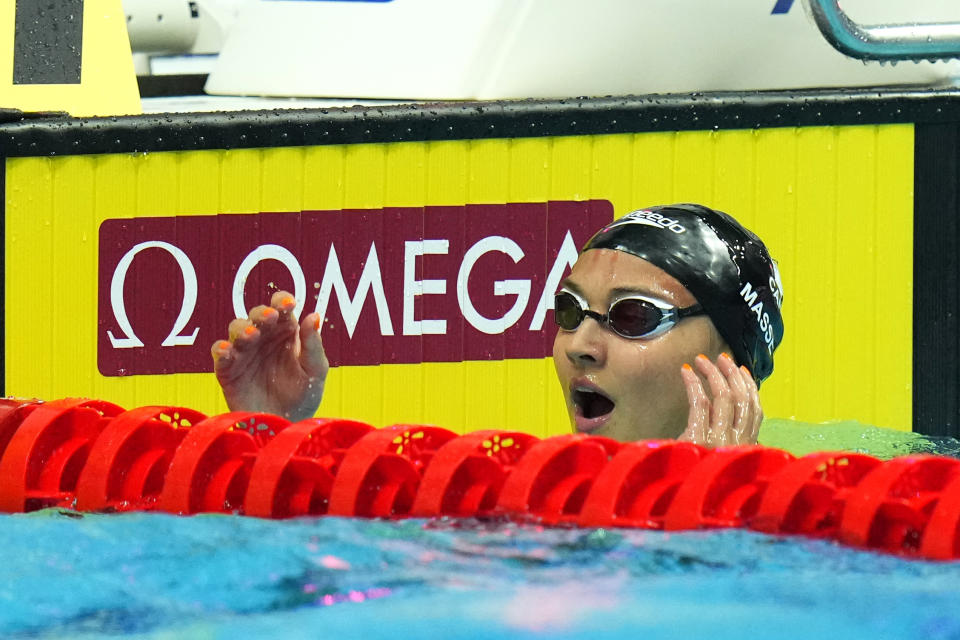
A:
<point x="161" y="576"/>
<point x="148" y="575"/>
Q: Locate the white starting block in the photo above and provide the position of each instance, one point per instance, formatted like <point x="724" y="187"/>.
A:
<point x="492" y="49"/>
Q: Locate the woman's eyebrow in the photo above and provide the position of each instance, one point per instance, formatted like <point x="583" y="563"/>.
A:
<point x="617" y="292"/>
<point x="625" y="291"/>
<point x="567" y="283"/>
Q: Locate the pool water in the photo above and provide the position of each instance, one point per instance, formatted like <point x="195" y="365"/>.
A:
<point x="801" y="438"/>
<point x="147" y="575"/>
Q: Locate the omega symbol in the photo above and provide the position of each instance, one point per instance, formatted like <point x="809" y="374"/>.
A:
<point x="131" y="340"/>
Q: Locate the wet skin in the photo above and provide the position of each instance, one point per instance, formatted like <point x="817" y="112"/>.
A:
<point x="680" y="384"/>
<point x="272" y="363"/>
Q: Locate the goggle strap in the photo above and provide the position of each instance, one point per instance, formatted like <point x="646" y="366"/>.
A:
<point x="692" y="310"/>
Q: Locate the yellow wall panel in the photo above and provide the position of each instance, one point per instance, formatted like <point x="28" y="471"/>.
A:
<point x="693" y="164"/>
<point x="488" y="179"/>
<point x="30" y="280"/>
<point x="530" y="170"/>
<point x="611" y="168"/>
<point x="73" y="235"/>
<point x="323" y="178"/>
<point x="445" y="395"/>
<point x="282" y="179"/>
<point x="158" y="184"/>
<point x="406" y="178"/>
<point x="735" y="165"/>
<point x="893" y="241"/>
<point x="816" y="189"/>
<point x="834" y="204"/>
<point x="115" y="179"/>
<point x="855" y="226"/>
<point x="364" y="176"/>
<point x="571" y="168"/>
<point x="775" y="220"/>
<point x="447" y="167"/>
<point x="197" y="192"/>
<point x="652" y="169"/>
<point x="240" y="185"/>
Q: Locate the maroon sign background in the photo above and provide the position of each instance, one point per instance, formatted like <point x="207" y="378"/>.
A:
<point x="160" y="274"/>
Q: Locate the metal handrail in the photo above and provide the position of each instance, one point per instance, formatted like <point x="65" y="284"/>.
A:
<point x="930" y="41"/>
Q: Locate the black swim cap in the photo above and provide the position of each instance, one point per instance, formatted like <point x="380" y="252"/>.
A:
<point x="726" y="267"/>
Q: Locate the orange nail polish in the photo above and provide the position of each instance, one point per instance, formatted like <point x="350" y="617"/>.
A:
<point x="223" y="344"/>
<point x="316" y="324"/>
<point x="687" y="367"/>
<point x="288" y="301"/>
<point x="726" y="355"/>
<point x="270" y="311"/>
<point x="704" y="357"/>
<point x="250" y="330"/>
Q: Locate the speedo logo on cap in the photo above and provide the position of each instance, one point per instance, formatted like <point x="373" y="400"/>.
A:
<point x="651" y="219"/>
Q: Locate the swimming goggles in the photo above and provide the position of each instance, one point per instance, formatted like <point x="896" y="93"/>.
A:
<point x="632" y="316"/>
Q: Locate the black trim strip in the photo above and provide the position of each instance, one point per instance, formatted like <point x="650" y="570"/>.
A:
<point x="475" y="120"/>
<point x="936" y="280"/>
<point x="3" y="277"/>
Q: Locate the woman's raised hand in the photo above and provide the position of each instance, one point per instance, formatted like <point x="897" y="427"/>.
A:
<point x="271" y="364"/>
<point x="731" y="413"/>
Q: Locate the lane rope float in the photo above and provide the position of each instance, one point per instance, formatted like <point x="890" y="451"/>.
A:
<point x="94" y="456"/>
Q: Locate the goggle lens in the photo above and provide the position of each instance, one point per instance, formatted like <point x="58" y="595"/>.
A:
<point x="634" y="318"/>
<point x="630" y="317"/>
<point x="567" y="312"/>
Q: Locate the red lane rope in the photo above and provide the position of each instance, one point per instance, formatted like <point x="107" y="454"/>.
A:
<point x="94" y="456"/>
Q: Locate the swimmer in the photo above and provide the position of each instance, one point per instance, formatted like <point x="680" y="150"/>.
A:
<point x="667" y="324"/>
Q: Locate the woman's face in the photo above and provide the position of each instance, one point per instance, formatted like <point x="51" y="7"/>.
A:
<point x="621" y="388"/>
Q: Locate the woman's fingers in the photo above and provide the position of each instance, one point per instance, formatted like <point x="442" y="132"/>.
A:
<point x="283" y="302"/>
<point x="699" y="418"/>
<point x="263" y="317"/>
<point x="270" y="362"/>
<point x="756" y="408"/>
<point x="275" y="321"/>
<point x="222" y="352"/>
<point x="312" y="357"/>
<point x="242" y="333"/>
<point x="741" y="426"/>
<point x="269" y="323"/>
<point x="730" y="413"/>
<point x="721" y="405"/>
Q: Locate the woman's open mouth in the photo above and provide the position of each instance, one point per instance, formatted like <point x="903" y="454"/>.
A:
<point x="592" y="407"/>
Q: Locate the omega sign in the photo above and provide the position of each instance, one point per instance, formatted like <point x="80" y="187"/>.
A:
<point x="395" y="285"/>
